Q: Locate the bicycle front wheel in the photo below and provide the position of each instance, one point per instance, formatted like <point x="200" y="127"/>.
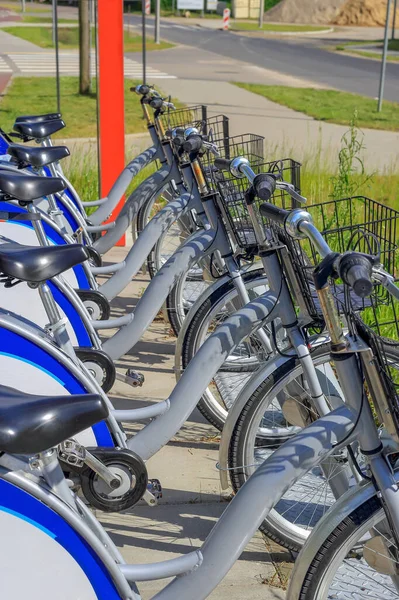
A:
<point x="341" y="565"/>
<point x="262" y="426"/>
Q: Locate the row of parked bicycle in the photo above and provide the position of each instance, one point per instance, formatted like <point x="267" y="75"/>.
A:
<point x="287" y="342"/>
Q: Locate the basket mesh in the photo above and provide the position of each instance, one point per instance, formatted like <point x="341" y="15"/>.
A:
<point x="183" y="117"/>
<point x="216" y="128"/>
<point x="360" y="224"/>
<point x="232" y="193"/>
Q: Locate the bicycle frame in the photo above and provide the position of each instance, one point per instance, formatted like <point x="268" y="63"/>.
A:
<point x="199" y="572"/>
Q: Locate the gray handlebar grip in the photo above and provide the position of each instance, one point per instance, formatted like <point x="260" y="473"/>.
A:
<point x="193" y="143"/>
<point x="264" y="186"/>
<point x="222" y="164"/>
<point x="355" y="270"/>
<point x="273" y="213"/>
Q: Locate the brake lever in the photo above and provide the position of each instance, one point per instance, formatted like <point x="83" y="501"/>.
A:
<point x="386" y="280"/>
<point x="290" y="189"/>
<point x="212" y="147"/>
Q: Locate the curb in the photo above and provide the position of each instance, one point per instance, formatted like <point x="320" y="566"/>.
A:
<point x="283" y="33"/>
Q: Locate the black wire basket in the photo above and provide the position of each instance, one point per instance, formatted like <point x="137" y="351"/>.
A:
<point x="216" y="128"/>
<point x="232" y="192"/>
<point x="183" y="117"/>
<point x="360" y="224"/>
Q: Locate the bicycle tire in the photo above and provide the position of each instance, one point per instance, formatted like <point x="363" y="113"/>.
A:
<point x="215" y="414"/>
<point x="331" y="554"/>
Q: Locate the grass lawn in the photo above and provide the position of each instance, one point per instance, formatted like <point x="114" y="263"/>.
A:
<point x="331" y="106"/>
<point x="38" y="95"/>
<point x="374" y="55"/>
<point x="30" y="8"/>
<point x="68" y="37"/>
<point x="35" y="19"/>
<point x="348" y="47"/>
<point x="247" y="26"/>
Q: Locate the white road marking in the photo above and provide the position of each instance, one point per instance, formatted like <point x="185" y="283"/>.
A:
<point x="44" y="62"/>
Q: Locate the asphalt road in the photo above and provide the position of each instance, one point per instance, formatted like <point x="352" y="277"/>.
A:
<point x="292" y="57"/>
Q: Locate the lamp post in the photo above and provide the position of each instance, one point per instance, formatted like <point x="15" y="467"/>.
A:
<point x="384" y="60"/>
<point x="144" y="50"/>
<point x="157" y="21"/>
<point x="57" y="53"/>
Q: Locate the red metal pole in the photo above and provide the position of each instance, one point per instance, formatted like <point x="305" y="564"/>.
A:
<point x="111" y="95"/>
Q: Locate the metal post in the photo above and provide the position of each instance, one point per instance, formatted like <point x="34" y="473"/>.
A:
<point x="384" y="60"/>
<point x="90" y="40"/>
<point x="144" y="44"/>
<point x="84" y="48"/>
<point x="23" y="5"/>
<point x="53" y="19"/>
<point x="157" y="21"/>
<point x="57" y="54"/>
<point x="261" y="13"/>
<point x="111" y="96"/>
<point x="394" y="19"/>
<point x="97" y="100"/>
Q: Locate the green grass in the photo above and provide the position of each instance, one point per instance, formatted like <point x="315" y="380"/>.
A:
<point x="34" y="19"/>
<point x="247" y="26"/>
<point x="392" y="44"/>
<point x="39" y="95"/>
<point x="81" y="170"/>
<point x="374" y="55"/>
<point x="17" y="7"/>
<point x="331" y="106"/>
<point x="68" y="37"/>
<point x="349" y="47"/>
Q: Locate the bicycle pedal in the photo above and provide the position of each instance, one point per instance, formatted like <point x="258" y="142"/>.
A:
<point x="136" y="378"/>
<point x="131" y="377"/>
<point x="155" y="488"/>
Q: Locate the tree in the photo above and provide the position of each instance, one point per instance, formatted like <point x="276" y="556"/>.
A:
<point x="84" y="47"/>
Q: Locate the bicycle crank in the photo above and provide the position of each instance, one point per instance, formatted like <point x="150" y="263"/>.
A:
<point x="111" y="479"/>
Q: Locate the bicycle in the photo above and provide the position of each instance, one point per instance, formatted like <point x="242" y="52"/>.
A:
<point x="203" y="569"/>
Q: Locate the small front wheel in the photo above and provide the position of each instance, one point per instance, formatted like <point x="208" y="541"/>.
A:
<point x="131" y="472"/>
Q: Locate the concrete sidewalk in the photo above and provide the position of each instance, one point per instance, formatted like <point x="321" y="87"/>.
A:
<point x="191" y="501"/>
<point x="11" y="43"/>
<point x="286" y="131"/>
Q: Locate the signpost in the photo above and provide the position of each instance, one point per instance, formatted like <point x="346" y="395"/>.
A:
<point x="111" y="96"/>
<point x="384" y="59"/>
<point x="261" y="13"/>
<point x="211" y="4"/>
<point x="157" y="21"/>
<point x="190" y="4"/>
<point x="143" y="40"/>
<point x="57" y="53"/>
<point x="226" y="19"/>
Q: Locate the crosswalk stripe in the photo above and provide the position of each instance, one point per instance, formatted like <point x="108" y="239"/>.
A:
<point x="69" y="64"/>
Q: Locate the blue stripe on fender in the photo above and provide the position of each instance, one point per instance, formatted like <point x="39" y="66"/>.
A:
<point x="28" y="508"/>
<point x="68" y="216"/>
<point x="54" y="237"/>
<point x="68" y="192"/>
<point x="3" y="145"/>
<point x="20" y="348"/>
<point x="82" y="336"/>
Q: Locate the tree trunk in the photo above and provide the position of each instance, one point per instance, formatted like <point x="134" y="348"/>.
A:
<point x="84" y="47"/>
